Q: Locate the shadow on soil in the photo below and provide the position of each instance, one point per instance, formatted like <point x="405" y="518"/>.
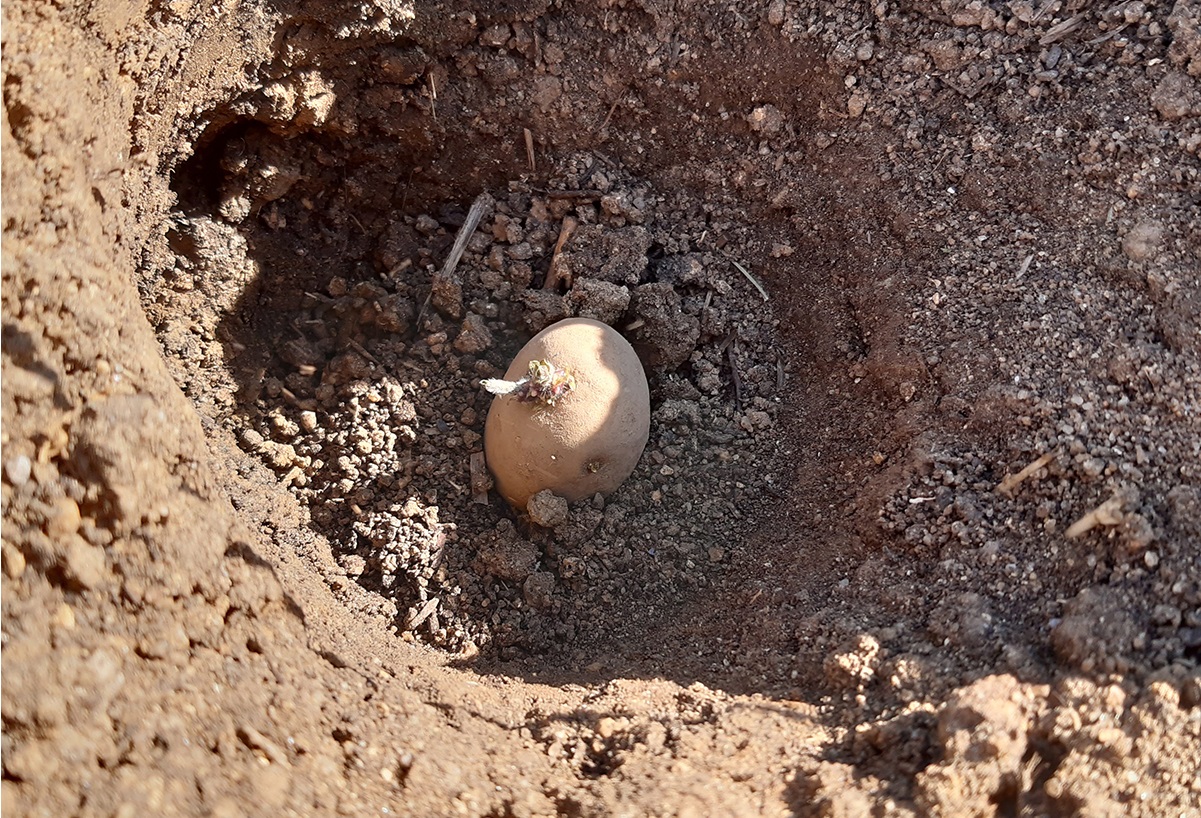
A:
<point x="321" y="198"/>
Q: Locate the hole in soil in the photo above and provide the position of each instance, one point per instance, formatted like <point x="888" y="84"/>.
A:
<point x="352" y="368"/>
<point x="303" y="311"/>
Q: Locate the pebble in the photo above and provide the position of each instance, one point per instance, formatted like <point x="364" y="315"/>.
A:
<point x="308" y="421"/>
<point x="85" y="564"/>
<point x="14" y="561"/>
<point x="1143" y="241"/>
<point x="538" y="589"/>
<point x="547" y="509"/>
<point x="775" y="13"/>
<point x="18" y="469"/>
<point x="63" y="518"/>
<point x="474" y="336"/>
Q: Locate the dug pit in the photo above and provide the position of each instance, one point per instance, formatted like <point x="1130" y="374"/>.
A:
<point x="351" y="369"/>
<point x="914" y="287"/>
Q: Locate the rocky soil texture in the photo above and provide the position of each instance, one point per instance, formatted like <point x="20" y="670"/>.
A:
<point x="917" y="287"/>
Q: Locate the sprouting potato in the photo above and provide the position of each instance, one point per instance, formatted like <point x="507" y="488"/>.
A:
<point x="571" y="416"/>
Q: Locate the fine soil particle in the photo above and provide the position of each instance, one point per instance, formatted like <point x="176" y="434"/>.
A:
<point x="917" y="290"/>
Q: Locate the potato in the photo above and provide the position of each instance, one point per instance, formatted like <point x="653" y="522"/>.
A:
<point x="589" y="439"/>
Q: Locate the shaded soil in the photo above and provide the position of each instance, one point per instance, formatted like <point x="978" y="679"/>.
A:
<point x="917" y="290"/>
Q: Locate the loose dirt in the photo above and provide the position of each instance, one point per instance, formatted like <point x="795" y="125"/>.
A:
<point x="918" y="293"/>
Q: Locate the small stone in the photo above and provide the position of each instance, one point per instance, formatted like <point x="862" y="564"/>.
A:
<point x="446" y="295"/>
<point x="64" y="617"/>
<point x="426" y="225"/>
<point x="18" y="469"/>
<point x="538" y="590"/>
<point x="308" y="421"/>
<point x="14" y="561"/>
<point x="85" y="564"/>
<point x="607" y="727"/>
<point x="1143" y="240"/>
<point x="252" y="439"/>
<point x="775" y="13"/>
<point x="600" y="300"/>
<point x="716" y="554"/>
<point x="496" y="36"/>
<point x="547" y="509"/>
<point x="1176" y="96"/>
<point x="474" y="336"/>
<point x="63" y="519"/>
<point x="857" y="104"/>
<point x="766" y="119"/>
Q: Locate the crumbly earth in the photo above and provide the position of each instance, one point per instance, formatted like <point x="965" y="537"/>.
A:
<point x="917" y="287"/>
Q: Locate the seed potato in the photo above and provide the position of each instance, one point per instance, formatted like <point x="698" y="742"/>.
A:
<point x="590" y="438"/>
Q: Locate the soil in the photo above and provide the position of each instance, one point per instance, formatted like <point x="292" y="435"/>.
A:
<point x="917" y="290"/>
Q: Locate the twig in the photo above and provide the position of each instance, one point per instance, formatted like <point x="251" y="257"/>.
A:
<point x="752" y="279"/>
<point x="556" y="274"/>
<point x="465" y="232"/>
<point x="480" y="481"/>
<point x="433" y="98"/>
<point x="257" y="741"/>
<point x="779" y="375"/>
<point x="359" y="348"/>
<point x="609" y="115"/>
<point x="405" y="264"/>
<point x="1109" y="35"/>
<point x="1059" y="31"/>
<point x="425" y="305"/>
<point x="529" y="149"/>
<point x="427" y="610"/>
<point x="1108" y="513"/>
<point x="1012" y="481"/>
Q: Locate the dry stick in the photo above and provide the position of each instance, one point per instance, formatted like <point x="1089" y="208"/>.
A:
<point x="1108" y="513"/>
<point x="400" y="268"/>
<point x="425" y="305"/>
<point x="1061" y="30"/>
<point x="609" y="115"/>
<point x="555" y="275"/>
<point x="529" y="149"/>
<point x="752" y="279"/>
<point x="479" y="479"/>
<point x="425" y="613"/>
<point x="1012" y="481"/>
<point x="456" y="252"/>
<point x="359" y="348"/>
<point x="465" y="232"/>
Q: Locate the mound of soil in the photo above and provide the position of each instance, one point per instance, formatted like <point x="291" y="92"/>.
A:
<point x="917" y="289"/>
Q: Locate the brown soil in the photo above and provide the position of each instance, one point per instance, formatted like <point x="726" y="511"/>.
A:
<point x="918" y="529"/>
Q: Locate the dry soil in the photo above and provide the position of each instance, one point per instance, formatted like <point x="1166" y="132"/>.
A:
<point x="917" y="288"/>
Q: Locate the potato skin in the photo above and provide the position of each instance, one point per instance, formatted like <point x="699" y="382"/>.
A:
<point x="591" y="439"/>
